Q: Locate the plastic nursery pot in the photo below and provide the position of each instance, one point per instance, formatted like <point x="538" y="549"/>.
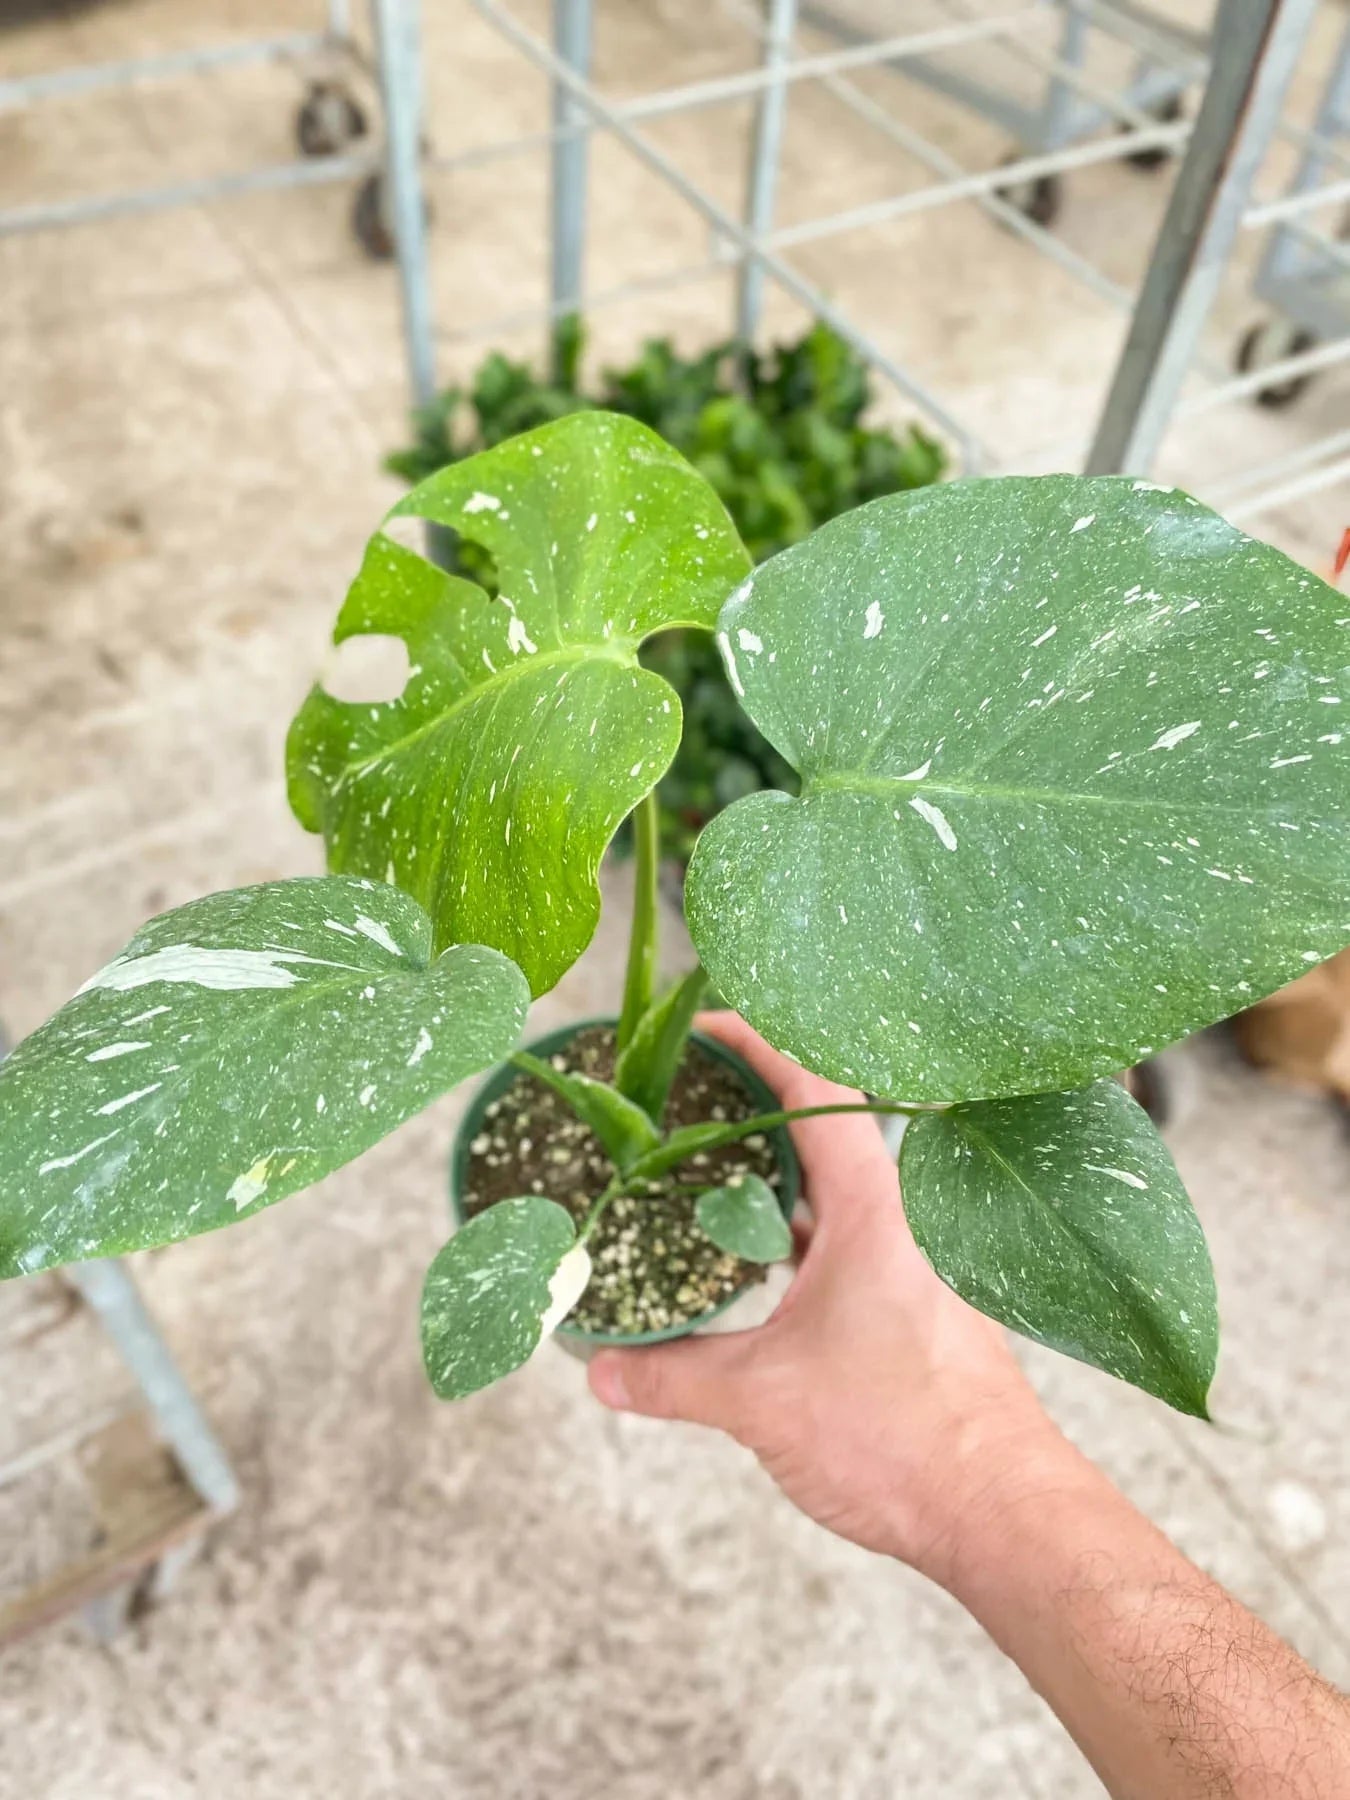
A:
<point x="763" y="1098"/>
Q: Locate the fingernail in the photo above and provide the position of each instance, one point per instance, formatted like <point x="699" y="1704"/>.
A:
<point x="607" y="1381"/>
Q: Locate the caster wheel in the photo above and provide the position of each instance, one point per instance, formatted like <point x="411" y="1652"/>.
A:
<point x="328" y="121"/>
<point x="371" y="223"/>
<point x="1271" y="342"/>
<point x="373" y="232"/>
<point x="1039" y="198"/>
<point x="1166" y="112"/>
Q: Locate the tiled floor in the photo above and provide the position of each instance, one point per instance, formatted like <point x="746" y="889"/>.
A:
<point x="522" y="1596"/>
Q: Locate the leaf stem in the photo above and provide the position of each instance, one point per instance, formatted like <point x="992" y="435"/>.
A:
<point x="640" y="980"/>
<point x="612" y="1192"/>
<point x="691" y="1139"/>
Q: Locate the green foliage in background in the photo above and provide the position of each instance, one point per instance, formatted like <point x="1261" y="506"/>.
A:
<point x="777" y="433"/>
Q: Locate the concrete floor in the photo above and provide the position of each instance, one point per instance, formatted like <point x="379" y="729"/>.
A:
<point x="523" y="1595"/>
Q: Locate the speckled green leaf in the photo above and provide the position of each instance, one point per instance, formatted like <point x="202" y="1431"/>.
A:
<point x="623" y="1128"/>
<point x="1063" y="1216"/>
<point x="745" y="1219"/>
<point x="238" y="1049"/>
<point x="1074" y="774"/>
<point x="497" y="1289"/>
<point x="527" y="730"/>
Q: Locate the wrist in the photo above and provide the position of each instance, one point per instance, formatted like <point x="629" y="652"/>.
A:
<point x="1004" y="1466"/>
<point x="1046" y="1520"/>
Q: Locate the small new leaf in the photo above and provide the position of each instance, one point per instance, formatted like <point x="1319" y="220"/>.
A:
<point x="238" y="1049"/>
<point x="1063" y="1216"/>
<point x="623" y="1128"/>
<point x="745" y="1219"/>
<point x="647" y="1064"/>
<point x="496" y="1290"/>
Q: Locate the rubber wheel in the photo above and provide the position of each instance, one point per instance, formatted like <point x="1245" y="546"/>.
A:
<point x="368" y="221"/>
<point x="1166" y="112"/>
<point x="328" y="121"/>
<point x="1039" y="199"/>
<point x="373" y="231"/>
<point x="1255" y="350"/>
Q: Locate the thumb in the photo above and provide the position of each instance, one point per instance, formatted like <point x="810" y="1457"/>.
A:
<point x="699" y="1379"/>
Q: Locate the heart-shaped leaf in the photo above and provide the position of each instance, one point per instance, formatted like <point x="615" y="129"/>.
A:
<point x="1063" y="1216"/>
<point x="499" y="1287"/>
<point x="623" y="1128"/>
<point x="1073" y="784"/>
<point x="527" y="730"/>
<point x="238" y="1049"/>
<point x="745" y="1219"/>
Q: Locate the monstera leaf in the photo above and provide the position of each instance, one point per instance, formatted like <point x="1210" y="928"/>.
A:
<point x="503" y="1284"/>
<point x="527" y="730"/>
<point x="1063" y="1216"/>
<point x="745" y="1218"/>
<point x="1074" y="769"/>
<point x="239" y="1048"/>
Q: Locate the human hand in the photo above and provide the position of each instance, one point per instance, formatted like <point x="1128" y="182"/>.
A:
<point x="882" y="1405"/>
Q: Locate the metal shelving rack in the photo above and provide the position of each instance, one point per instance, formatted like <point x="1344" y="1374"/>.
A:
<point x="330" y="124"/>
<point x="152" y="1516"/>
<point x="1242" y="68"/>
<point x="1077" y="121"/>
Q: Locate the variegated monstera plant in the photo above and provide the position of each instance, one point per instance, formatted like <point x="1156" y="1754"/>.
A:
<point x="1073" y="782"/>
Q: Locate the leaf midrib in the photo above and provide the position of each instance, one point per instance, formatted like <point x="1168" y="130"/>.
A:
<point x="1069" y="1226"/>
<point x="888" y="786"/>
<point x="617" y="651"/>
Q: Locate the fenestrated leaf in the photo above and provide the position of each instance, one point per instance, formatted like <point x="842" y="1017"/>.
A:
<point x="1073" y="784"/>
<point x="502" y="1283"/>
<point x="238" y="1049"/>
<point x="647" y="1063"/>
<point x="1063" y="1216"/>
<point x="491" y="787"/>
<point x="624" y="1129"/>
<point x="745" y="1219"/>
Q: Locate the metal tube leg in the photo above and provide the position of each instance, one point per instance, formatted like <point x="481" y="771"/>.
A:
<point x="1287" y="255"/>
<point x="572" y="36"/>
<point x="1260" y="41"/>
<point x="1057" y="118"/>
<point x="398" y="36"/>
<point x="109" y="1289"/>
<point x="765" y="148"/>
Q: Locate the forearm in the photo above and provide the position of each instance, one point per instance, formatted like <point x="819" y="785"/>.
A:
<point x="1171" y="1689"/>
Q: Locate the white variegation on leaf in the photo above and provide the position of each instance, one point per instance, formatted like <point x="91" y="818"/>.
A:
<point x="1063" y="1216"/>
<point x="503" y="1283"/>
<point x="1072" y="785"/>
<point x="567" y="1284"/>
<point x="238" y="1049"/>
<point x="528" y="730"/>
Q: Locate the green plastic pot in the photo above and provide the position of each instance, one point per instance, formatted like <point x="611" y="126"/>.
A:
<point x="501" y="1079"/>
